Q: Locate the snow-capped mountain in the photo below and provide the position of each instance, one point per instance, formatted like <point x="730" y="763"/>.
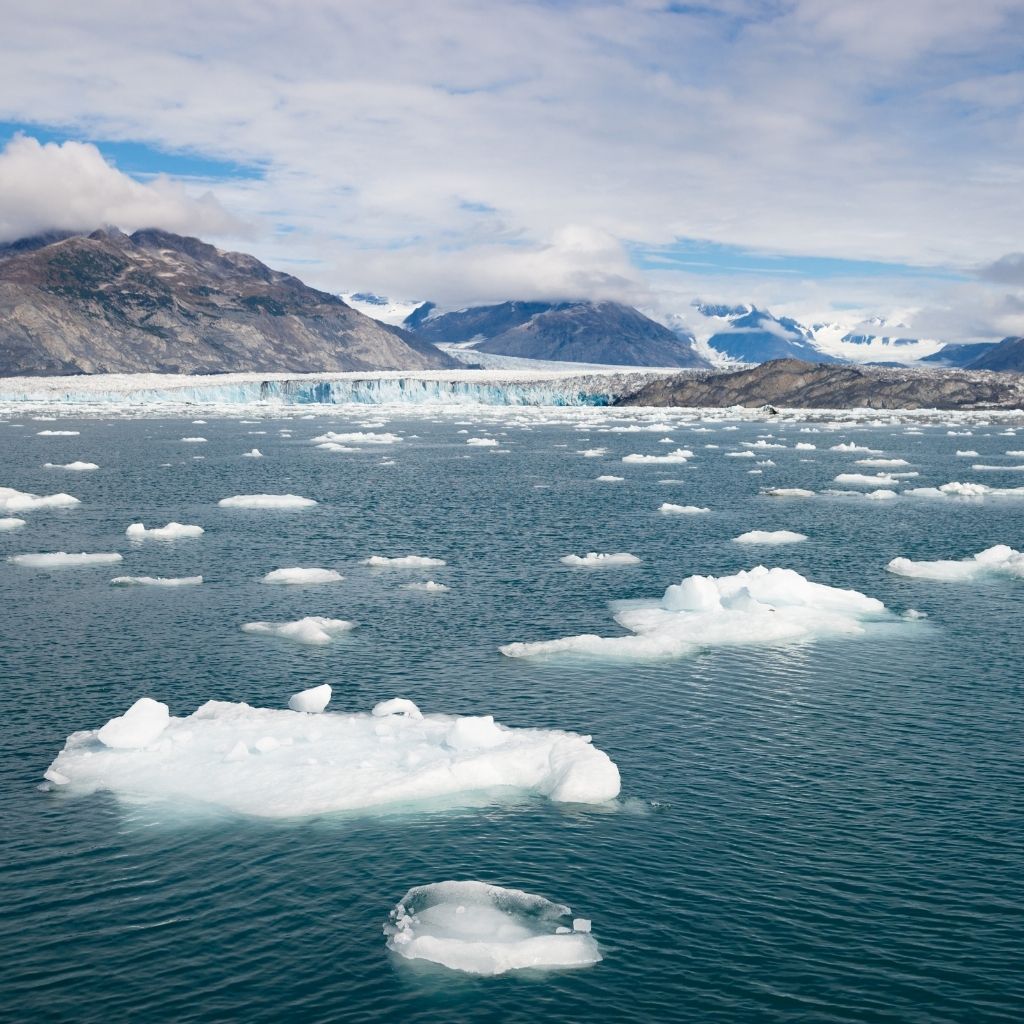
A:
<point x="750" y="335"/>
<point x="380" y="308"/>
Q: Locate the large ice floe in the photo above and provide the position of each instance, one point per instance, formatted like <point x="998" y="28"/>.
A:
<point x="298" y="576"/>
<point x="12" y="500"/>
<point x="760" y="606"/>
<point x="594" y="560"/>
<point x="172" y="531"/>
<point x="283" y="763"/>
<point x="64" y="559"/>
<point x="284" y="501"/>
<point x="488" y="930"/>
<point x="999" y="560"/>
<point x="314" y="630"/>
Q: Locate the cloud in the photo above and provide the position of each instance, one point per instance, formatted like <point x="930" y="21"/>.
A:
<point x="70" y="187"/>
<point x="1008" y="269"/>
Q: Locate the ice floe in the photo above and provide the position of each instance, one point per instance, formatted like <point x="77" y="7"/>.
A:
<point x="315" y="764"/>
<point x="769" y="537"/>
<point x="967" y="454"/>
<point x="254" y="454"/>
<point x="11" y="523"/>
<point x="488" y="930"/>
<point x="762" y="606"/>
<point x="315" y="630"/>
<point x="64" y="560"/>
<point x="299" y="576"/>
<point x="968" y="491"/>
<point x="594" y="560"/>
<point x="592" y="453"/>
<point x="429" y="587"/>
<point x="403" y="562"/>
<point x="282" y="501"/>
<point x="12" y="500"/>
<point x="1001" y="559"/>
<point x="865" y="479"/>
<point x="789" y="492"/>
<point x="609" y="479"/>
<point x="356" y="437"/>
<point x="193" y="440"/>
<point x="482" y="442"/>
<point x="675" y="456"/>
<point x="172" y="531"/>
<point x="58" y="433"/>
<point x="74" y="467"/>
<point x="666" y="508"/>
<point x="157" y="581"/>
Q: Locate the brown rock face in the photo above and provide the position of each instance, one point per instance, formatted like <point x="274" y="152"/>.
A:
<point x="796" y="384"/>
<point x="158" y="302"/>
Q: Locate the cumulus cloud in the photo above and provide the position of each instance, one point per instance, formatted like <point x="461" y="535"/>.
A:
<point x="69" y="186"/>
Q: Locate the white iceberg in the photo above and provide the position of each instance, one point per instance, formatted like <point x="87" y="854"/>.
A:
<point x="429" y="587"/>
<point x="313" y="701"/>
<point x="676" y="456"/>
<point x="172" y="531"/>
<point x="74" y="467"/>
<point x="12" y="500"/>
<point x="64" y="560"/>
<point x="283" y="501"/>
<point x="488" y="930"/>
<point x="334" y="762"/>
<point x="593" y="453"/>
<point x="58" y="433"/>
<point x="788" y="492"/>
<point x="607" y="478"/>
<point x="769" y="537"/>
<point x="482" y="442"/>
<point x="157" y="581"/>
<point x="193" y="440"/>
<point x="357" y="437"/>
<point x="865" y="480"/>
<point x="402" y="562"/>
<point x="958" y="490"/>
<point x="762" y="606"/>
<point x="666" y="508"/>
<point x="1001" y="560"/>
<point x="10" y="523"/>
<point x="298" y="576"/>
<point x="138" y="727"/>
<point x="315" y="630"/>
<point x="593" y="560"/>
<point x="254" y="454"/>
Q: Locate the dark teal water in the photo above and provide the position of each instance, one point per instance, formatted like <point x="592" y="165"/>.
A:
<point x="822" y="833"/>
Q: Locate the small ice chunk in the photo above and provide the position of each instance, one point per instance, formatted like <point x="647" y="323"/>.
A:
<point x="609" y="479"/>
<point x="255" y="453"/>
<point x="679" y="455"/>
<point x="11" y="523"/>
<point x="429" y="587"/>
<point x="482" y="442"/>
<point x="312" y="701"/>
<point x="396" y="706"/>
<point x="668" y="509"/>
<point x="358" y="437"/>
<point x="788" y="492"/>
<point x="282" y="501"/>
<point x="1000" y="559"/>
<point x="193" y="440"/>
<point x="157" y="581"/>
<point x="138" y="727"/>
<point x="172" y="531"/>
<point x="58" y="433"/>
<point x="314" y="630"/>
<point x="298" y="576"/>
<point x="486" y="930"/>
<point x="64" y="560"/>
<point x="593" y="560"/>
<point x="403" y="562"/>
<point x="12" y="500"/>
<point x="769" y="537"/>
<point x="75" y="467"/>
<point x="475" y="732"/>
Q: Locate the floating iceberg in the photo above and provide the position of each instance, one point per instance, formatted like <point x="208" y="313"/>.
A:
<point x="882" y="463"/>
<point x="956" y="489"/>
<point x="64" y="560"/>
<point x="20" y="501"/>
<point x="75" y="467"/>
<point x="172" y="531"/>
<point x="769" y="537"/>
<point x="593" y="560"/>
<point x="58" y="433"/>
<point x="788" y="492"/>
<point x="403" y="562"/>
<point x="609" y="479"/>
<point x="482" y="442"/>
<point x="157" y="581"/>
<point x="668" y="509"/>
<point x="677" y="455"/>
<point x="299" y="576"/>
<point x="488" y="930"/>
<point x="315" y="764"/>
<point x="285" y="501"/>
<point x="314" y="630"/>
<point x="593" y="453"/>
<point x="254" y="454"/>
<point x="430" y="587"/>
<point x="193" y="440"/>
<point x="762" y="606"/>
<point x="1001" y="559"/>
<point x="864" y="480"/>
<point x="11" y="523"/>
<point x="358" y="437"/>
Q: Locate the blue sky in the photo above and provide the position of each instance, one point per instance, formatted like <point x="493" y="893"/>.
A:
<point x="809" y="156"/>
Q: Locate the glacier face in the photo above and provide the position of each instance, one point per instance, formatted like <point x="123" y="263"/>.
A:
<point x="453" y="388"/>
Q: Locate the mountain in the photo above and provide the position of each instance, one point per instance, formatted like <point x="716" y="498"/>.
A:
<point x="1008" y="355"/>
<point x="155" y="301"/>
<point x="754" y="335"/>
<point x="799" y="384"/>
<point x="577" y="332"/>
<point x="957" y="355"/>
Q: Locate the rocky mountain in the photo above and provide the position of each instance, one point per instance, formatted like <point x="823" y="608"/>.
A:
<point x="1008" y="355"/>
<point x="753" y="335"/>
<point x="155" y="301"/>
<point x="956" y="355"/>
<point x="799" y="384"/>
<point x="577" y="332"/>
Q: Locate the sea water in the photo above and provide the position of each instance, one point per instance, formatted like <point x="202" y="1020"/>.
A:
<point x="828" y="831"/>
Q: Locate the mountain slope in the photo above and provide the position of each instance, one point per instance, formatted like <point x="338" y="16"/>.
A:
<point x="1007" y="356"/>
<point x="754" y="335"/>
<point x="155" y="301"/>
<point x="804" y="385"/>
<point x="577" y="332"/>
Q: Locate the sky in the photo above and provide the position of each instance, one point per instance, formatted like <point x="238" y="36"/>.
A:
<point x="824" y="159"/>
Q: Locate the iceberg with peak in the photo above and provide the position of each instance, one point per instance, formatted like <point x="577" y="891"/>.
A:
<point x="488" y="930"/>
<point x="276" y="763"/>
<point x="12" y="500"/>
<point x="759" y="606"/>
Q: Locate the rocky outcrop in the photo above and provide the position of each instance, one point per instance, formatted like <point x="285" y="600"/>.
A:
<point x="796" y="384"/>
<point x="159" y="302"/>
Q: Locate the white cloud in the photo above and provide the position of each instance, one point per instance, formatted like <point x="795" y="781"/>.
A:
<point x="70" y="186"/>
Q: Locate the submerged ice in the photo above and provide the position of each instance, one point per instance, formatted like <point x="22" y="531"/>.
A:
<point x="762" y="606"/>
<point x="488" y="930"/>
<point x="288" y="763"/>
